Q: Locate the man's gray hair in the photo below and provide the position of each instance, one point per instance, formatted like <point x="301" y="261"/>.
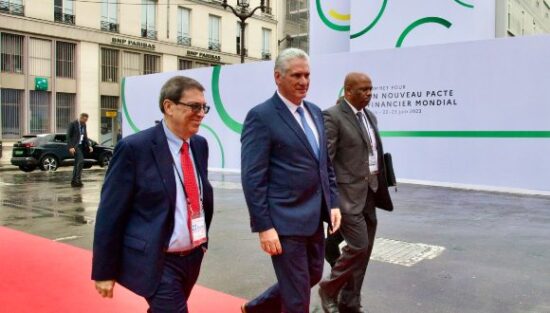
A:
<point x="281" y="63"/>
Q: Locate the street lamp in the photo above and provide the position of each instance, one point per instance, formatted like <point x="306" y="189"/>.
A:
<point x="243" y="13"/>
<point x="288" y="39"/>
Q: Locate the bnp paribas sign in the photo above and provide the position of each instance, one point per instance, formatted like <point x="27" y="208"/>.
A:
<point x="340" y="26"/>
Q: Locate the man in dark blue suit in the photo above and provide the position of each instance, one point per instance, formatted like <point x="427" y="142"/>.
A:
<point x="289" y="186"/>
<point x="156" y="205"/>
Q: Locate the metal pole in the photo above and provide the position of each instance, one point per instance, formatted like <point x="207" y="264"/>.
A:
<point x="243" y="25"/>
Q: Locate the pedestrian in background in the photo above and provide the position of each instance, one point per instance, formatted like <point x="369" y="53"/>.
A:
<point x="78" y="143"/>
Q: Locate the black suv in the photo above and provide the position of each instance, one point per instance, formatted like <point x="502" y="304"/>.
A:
<point x="49" y="151"/>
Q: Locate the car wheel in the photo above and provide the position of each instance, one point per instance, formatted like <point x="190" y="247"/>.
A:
<point x="27" y="168"/>
<point x="104" y="159"/>
<point x="49" y="163"/>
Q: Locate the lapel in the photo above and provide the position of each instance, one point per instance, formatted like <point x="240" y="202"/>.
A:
<point x="289" y="119"/>
<point x="164" y="162"/>
<point x="352" y="118"/>
<point x="370" y="116"/>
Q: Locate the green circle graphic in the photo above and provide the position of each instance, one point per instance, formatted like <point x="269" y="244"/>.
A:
<point x="373" y="23"/>
<point x="230" y="122"/>
<point x="327" y="22"/>
<point x="462" y="3"/>
<point x="415" y="24"/>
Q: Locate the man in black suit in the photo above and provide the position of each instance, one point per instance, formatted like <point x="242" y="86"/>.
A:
<point x="77" y="138"/>
<point x="355" y="149"/>
<point x="156" y="205"/>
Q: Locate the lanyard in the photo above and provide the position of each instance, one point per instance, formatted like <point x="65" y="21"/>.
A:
<point x="371" y="136"/>
<point x="183" y="185"/>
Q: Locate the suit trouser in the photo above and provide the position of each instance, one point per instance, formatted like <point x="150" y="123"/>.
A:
<point x="298" y="268"/>
<point x="179" y="275"/>
<point x="78" y="163"/>
<point x="348" y="273"/>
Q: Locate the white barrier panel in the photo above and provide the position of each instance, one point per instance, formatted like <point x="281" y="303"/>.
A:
<point x="381" y="24"/>
<point x="474" y="113"/>
<point x="329" y="26"/>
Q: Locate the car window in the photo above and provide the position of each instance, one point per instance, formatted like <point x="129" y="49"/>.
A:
<point x="60" y="138"/>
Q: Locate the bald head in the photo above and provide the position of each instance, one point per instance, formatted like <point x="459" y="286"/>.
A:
<point x="358" y="89"/>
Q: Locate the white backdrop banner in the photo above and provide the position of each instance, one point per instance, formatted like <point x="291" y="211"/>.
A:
<point x="329" y="26"/>
<point x="472" y="113"/>
<point x="380" y="24"/>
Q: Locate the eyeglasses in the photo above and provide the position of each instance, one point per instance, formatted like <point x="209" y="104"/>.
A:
<point x="196" y="107"/>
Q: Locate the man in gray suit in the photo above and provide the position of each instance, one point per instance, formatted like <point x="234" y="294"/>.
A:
<point x="355" y="148"/>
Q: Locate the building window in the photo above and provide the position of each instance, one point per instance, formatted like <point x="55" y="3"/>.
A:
<point x="214" y="33"/>
<point x="14" y="7"/>
<point x="131" y="64"/>
<point x="64" y="110"/>
<point x="266" y="44"/>
<point x="200" y="64"/>
<point x="64" y="11"/>
<point x="11" y="102"/>
<point x="148" y="19"/>
<point x="184" y="64"/>
<point x="39" y="112"/>
<point x="40" y="57"/>
<point x="239" y="39"/>
<point x="109" y="17"/>
<point x="151" y="64"/>
<point x="184" y="37"/>
<point x="268" y="9"/>
<point x="109" y="125"/>
<point x="65" y="59"/>
<point x="109" y="65"/>
<point x="11" y="47"/>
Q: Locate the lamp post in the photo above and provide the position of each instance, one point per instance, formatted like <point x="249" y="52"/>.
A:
<point x="243" y="13"/>
<point x="288" y="39"/>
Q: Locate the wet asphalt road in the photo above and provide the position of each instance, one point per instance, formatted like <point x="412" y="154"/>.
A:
<point x="496" y="257"/>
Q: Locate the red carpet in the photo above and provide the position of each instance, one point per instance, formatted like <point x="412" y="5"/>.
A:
<point x="38" y="275"/>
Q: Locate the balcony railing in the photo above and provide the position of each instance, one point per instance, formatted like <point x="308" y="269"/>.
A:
<point x="12" y="8"/>
<point x="63" y="18"/>
<point x="148" y="33"/>
<point x="214" y="45"/>
<point x="109" y="27"/>
<point x="184" y="40"/>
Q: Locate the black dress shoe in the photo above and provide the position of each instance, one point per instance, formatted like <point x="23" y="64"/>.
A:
<point x="328" y="303"/>
<point x="76" y="184"/>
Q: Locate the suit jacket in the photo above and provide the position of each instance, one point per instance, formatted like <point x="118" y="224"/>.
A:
<point x="348" y="151"/>
<point x="284" y="184"/>
<point x="73" y="135"/>
<point x="135" y="219"/>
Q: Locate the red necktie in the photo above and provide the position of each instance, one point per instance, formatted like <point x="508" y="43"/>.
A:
<point x="189" y="183"/>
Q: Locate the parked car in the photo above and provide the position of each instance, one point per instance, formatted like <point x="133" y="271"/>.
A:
<point x="49" y="151"/>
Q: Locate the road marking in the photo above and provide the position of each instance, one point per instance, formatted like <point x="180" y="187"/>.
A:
<point x="403" y="253"/>
<point x="67" y="238"/>
<point x="226" y="185"/>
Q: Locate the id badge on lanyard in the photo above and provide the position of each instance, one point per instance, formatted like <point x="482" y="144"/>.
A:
<point x="197" y="226"/>
<point x="373" y="162"/>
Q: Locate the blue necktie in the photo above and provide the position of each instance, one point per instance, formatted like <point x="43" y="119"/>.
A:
<point x="309" y="133"/>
